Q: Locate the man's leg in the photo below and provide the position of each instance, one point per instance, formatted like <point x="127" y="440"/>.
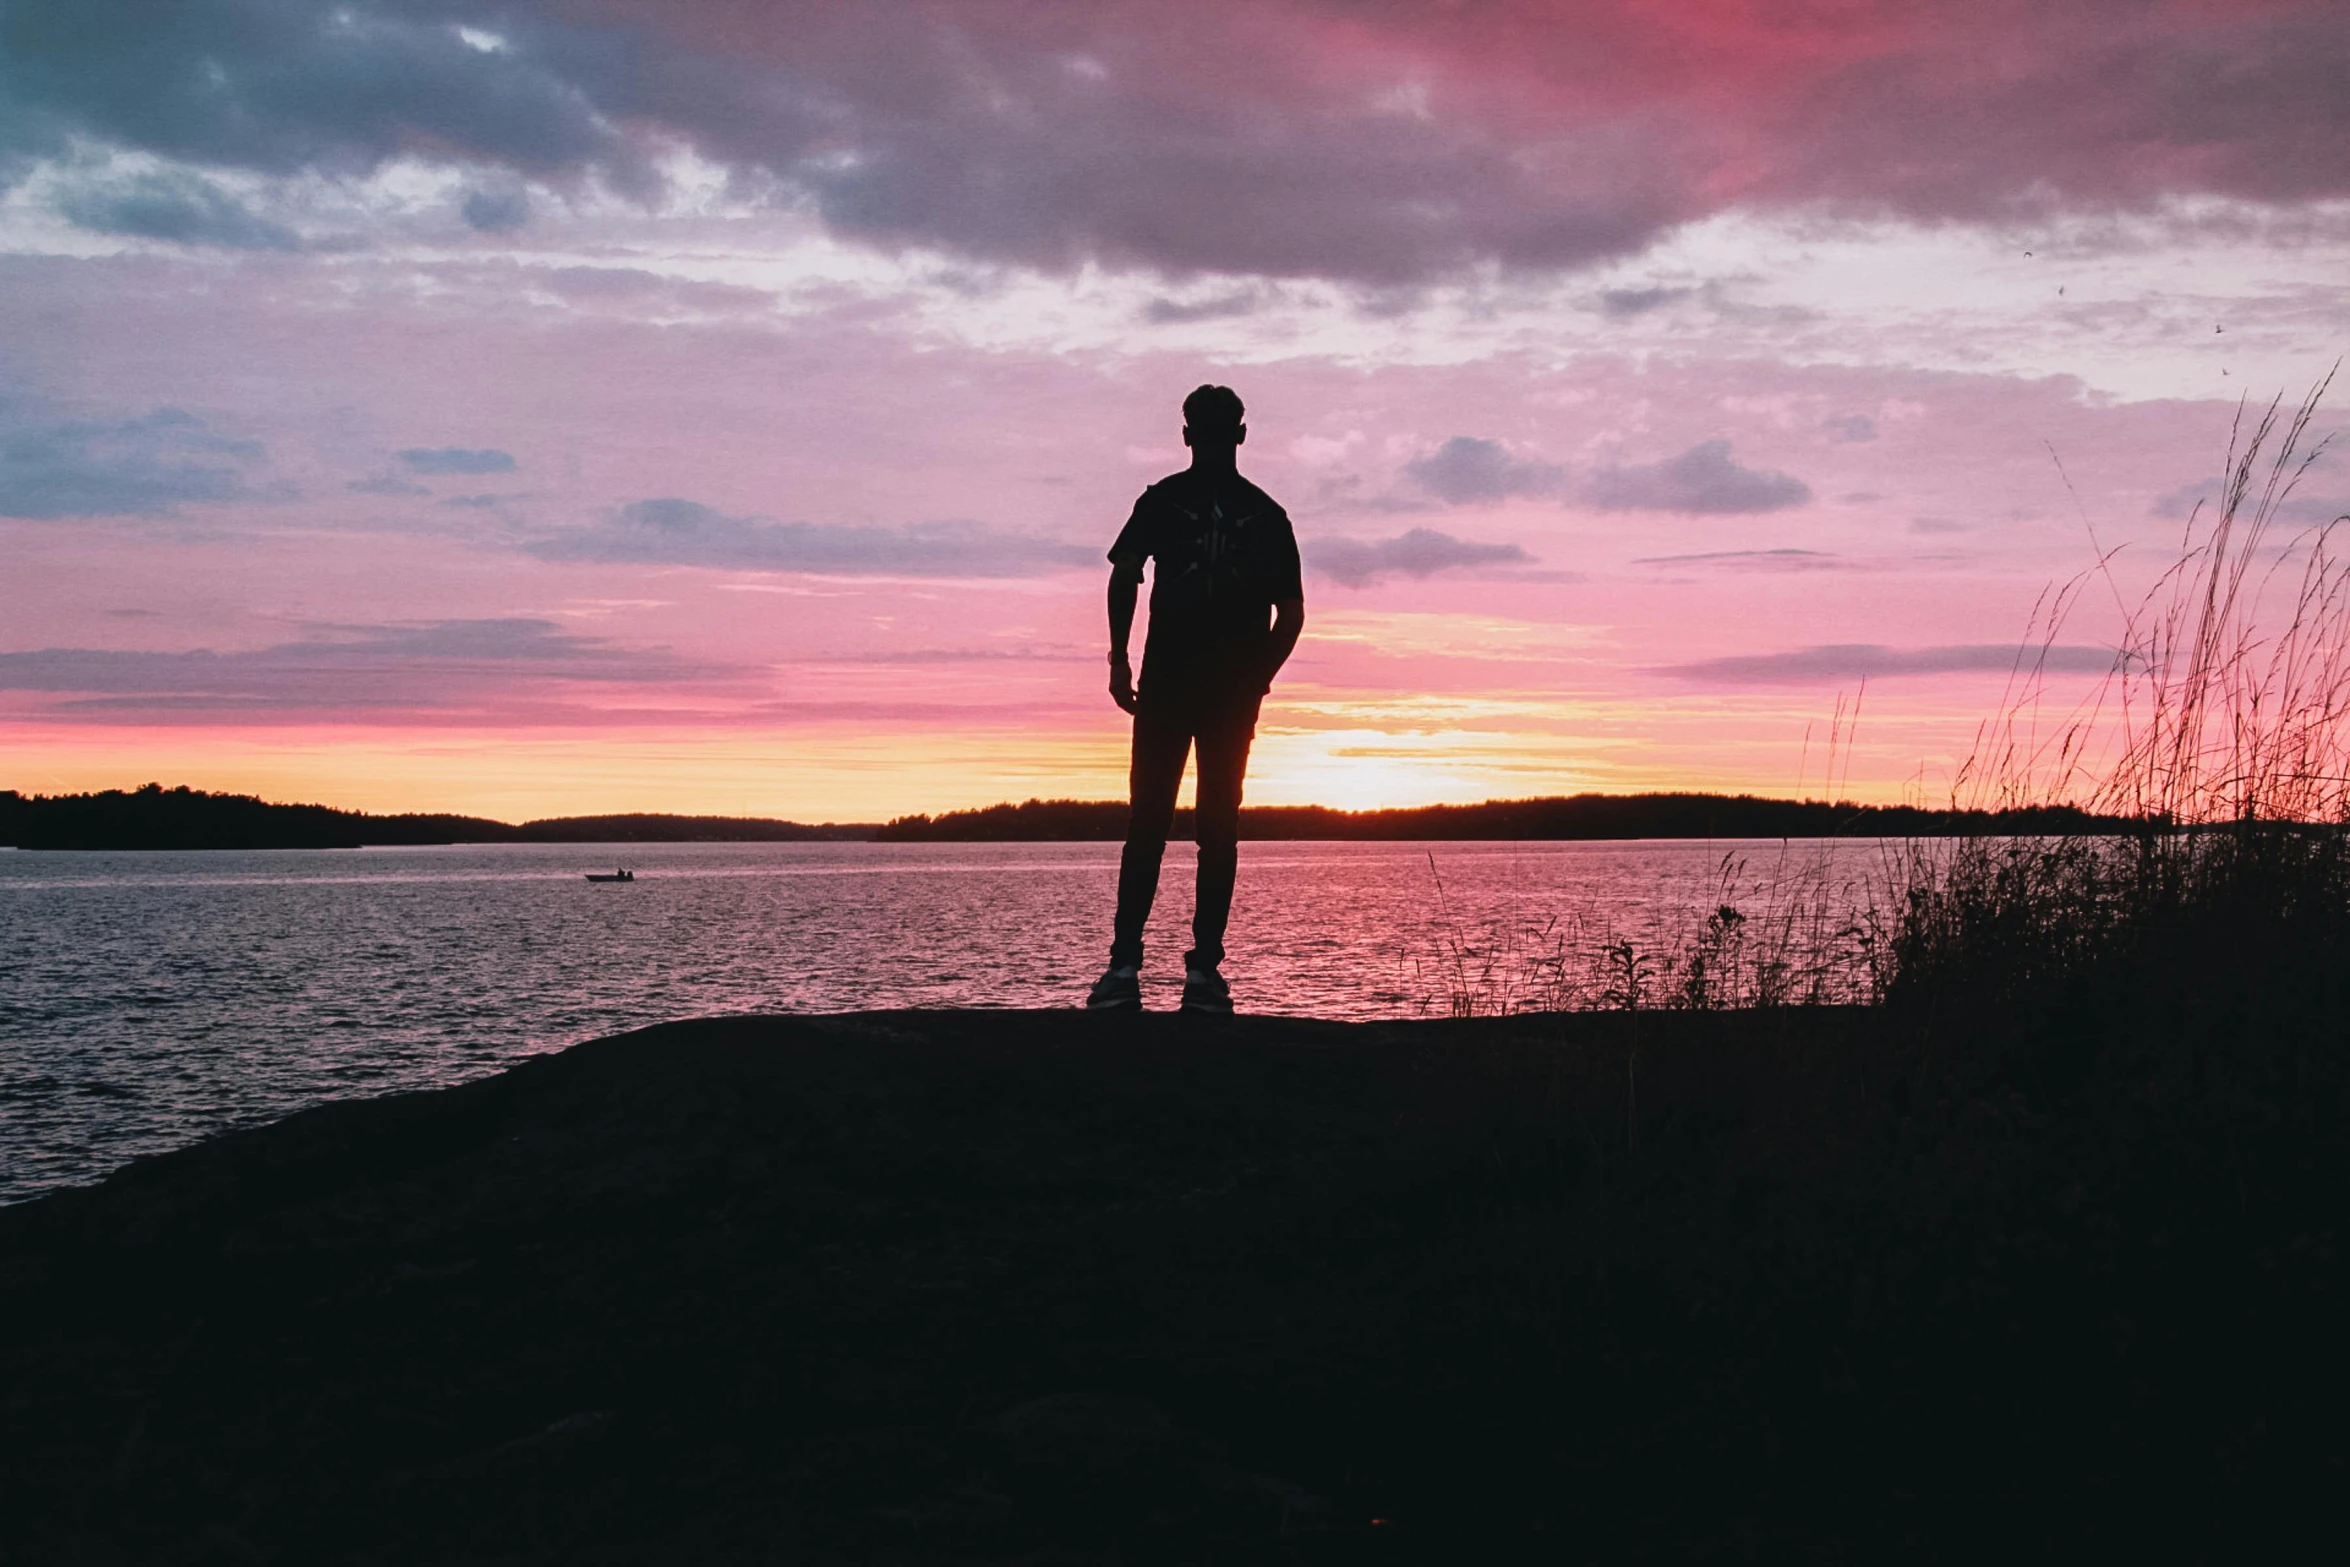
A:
<point x="1161" y="742"/>
<point x="1224" y="737"/>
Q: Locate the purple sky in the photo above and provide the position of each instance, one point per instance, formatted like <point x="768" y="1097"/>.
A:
<point x="565" y="407"/>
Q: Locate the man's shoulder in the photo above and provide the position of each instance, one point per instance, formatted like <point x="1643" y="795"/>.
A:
<point x="1187" y="486"/>
<point x="1178" y="493"/>
<point x="1266" y="501"/>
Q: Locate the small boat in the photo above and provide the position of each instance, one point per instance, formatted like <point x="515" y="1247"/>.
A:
<point x="611" y="876"/>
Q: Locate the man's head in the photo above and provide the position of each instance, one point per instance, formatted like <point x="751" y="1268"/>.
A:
<point x="1212" y="419"/>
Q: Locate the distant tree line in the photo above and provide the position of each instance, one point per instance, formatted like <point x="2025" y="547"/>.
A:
<point x="153" y="817"/>
<point x="1581" y="816"/>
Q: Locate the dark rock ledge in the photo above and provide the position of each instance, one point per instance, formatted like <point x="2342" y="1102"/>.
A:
<point x="1043" y="1287"/>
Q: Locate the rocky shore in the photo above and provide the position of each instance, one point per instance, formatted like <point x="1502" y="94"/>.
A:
<point x="1045" y="1287"/>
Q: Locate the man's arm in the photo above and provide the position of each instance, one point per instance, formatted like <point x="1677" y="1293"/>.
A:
<point x="1125" y="577"/>
<point x="1289" y="618"/>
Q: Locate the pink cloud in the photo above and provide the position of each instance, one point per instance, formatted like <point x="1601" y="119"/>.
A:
<point x="887" y="683"/>
<point x="456" y="671"/>
<point x="1307" y="138"/>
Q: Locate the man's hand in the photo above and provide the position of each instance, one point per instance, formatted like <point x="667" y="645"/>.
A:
<point x="1289" y="618"/>
<point x="1125" y="577"/>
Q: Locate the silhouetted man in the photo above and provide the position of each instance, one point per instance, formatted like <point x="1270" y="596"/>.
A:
<point x="1226" y="608"/>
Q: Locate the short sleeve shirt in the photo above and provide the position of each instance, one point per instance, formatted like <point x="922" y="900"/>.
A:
<point x="1223" y="555"/>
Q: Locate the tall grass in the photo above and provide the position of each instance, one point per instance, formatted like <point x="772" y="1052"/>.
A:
<point x="2229" y="695"/>
<point x="1799" y="929"/>
<point x="2222" y="729"/>
<point x="1511" y="966"/>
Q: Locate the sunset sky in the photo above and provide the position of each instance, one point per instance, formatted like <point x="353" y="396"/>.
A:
<point x="709" y="405"/>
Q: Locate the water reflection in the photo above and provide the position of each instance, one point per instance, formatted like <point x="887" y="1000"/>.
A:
<point x="150" y="999"/>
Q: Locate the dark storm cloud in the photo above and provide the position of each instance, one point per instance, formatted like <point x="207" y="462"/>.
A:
<point x="673" y="532"/>
<point x="1216" y="307"/>
<point x="2113" y="101"/>
<point x="169" y="205"/>
<point x="1421" y="552"/>
<point x="1468" y="469"/>
<point x="1870" y="661"/>
<point x="455" y="459"/>
<point x="1702" y="479"/>
<point x="142" y="467"/>
<point x="420" y="666"/>
<point x="1285" y="190"/>
<point x="1269" y="138"/>
<point x="497" y="211"/>
<point x="975" y="132"/>
<point x="1621" y="304"/>
<point x="284" y="86"/>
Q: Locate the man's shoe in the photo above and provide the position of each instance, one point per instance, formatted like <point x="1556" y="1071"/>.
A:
<point x="1119" y="990"/>
<point x="1204" y="990"/>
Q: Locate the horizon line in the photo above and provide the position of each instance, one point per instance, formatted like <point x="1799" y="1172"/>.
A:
<point x="1038" y="801"/>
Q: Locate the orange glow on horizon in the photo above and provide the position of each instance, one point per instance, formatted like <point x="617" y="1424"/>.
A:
<point x="1320" y="749"/>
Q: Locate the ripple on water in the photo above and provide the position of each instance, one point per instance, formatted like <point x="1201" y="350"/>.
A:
<point x="211" y="990"/>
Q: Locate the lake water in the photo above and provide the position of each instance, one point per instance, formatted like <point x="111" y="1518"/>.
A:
<point x="148" y="1000"/>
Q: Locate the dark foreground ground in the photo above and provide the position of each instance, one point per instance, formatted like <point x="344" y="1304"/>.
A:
<point x="1025" y="1287"/>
